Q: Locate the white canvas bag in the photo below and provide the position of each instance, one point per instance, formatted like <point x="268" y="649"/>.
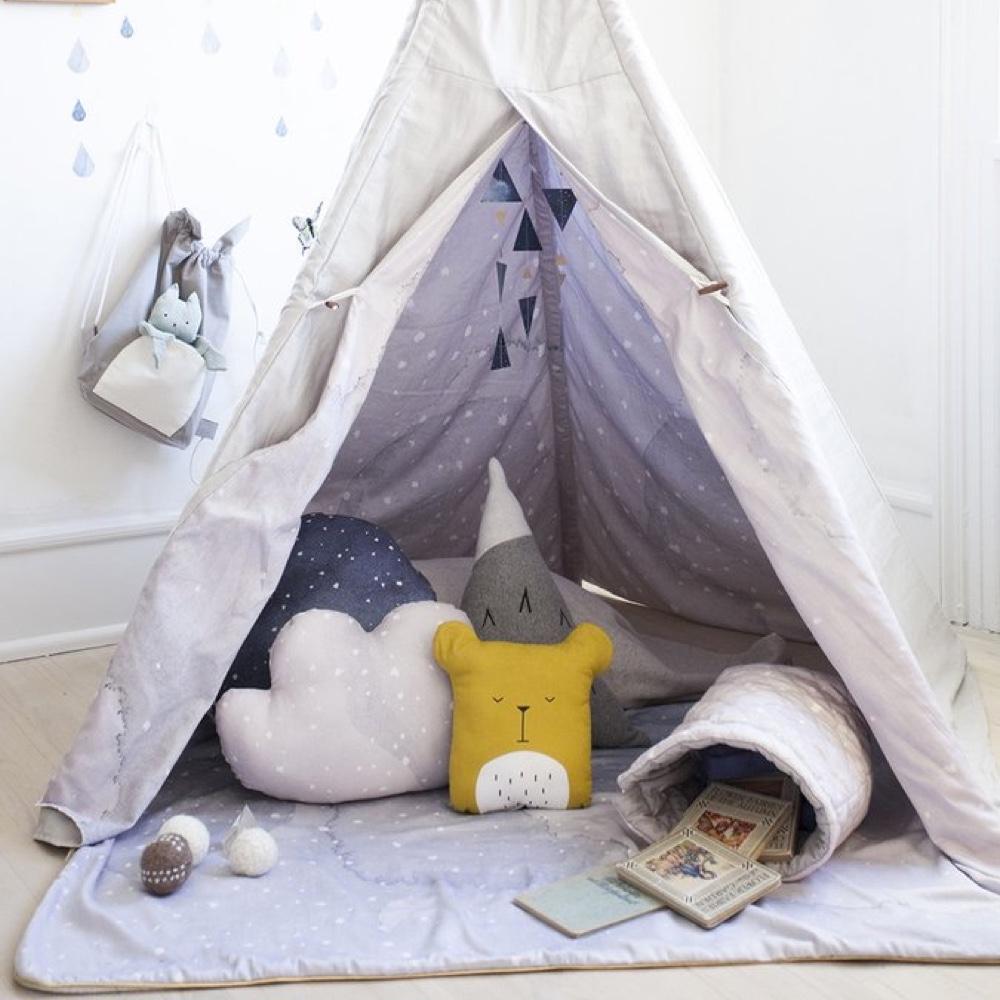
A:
<point x="163" y="396"/>
<point x="119" y="374"/>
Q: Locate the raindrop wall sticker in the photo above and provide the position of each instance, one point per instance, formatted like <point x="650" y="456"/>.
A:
<point x="78" y="112"/>
<point x="316" y="22"/>
<point x="83" y="165"/>
<point x="282" y="64"/>
<point x="78" y="61"/>
<point x="210" y="43"/>
<point x="127" y="31"/>
<point x="329" y="76"/>
<point x="281" y="129"/>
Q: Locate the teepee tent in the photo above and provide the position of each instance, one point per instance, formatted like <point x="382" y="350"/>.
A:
<point x="513" y="265"/>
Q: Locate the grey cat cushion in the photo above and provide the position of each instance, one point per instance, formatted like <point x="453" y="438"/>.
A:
<point x="511" y="595"/>
<point x="645" y="670"/>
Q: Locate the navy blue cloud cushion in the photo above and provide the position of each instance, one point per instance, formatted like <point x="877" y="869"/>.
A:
<point x="338" y="563"/>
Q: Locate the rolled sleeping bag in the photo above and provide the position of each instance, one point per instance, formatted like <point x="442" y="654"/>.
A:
<point x="803" y="722"/>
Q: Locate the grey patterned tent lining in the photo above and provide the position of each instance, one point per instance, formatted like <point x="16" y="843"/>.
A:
<point x="589" y="420"/>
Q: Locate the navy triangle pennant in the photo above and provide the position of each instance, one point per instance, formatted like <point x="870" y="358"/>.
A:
<point x="527" y="238"/>
<point x="527" y="312"/>
<point x="501" y="359"/>
<point x="501" y="276"/>
<point x="501" y="186"/>
<point x="562" y="201"/>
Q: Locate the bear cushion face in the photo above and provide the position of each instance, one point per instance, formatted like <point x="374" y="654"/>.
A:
<point x="521" y="725"/>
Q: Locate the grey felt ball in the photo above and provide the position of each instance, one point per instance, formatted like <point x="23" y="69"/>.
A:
<point x="165" y="864"/>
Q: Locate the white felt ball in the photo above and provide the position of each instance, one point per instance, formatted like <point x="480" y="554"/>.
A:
<point x="252" y="852"/>
<point x="193" y="831"/>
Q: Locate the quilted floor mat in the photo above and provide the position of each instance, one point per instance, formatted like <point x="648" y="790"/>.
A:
<point x="405" y="887"/>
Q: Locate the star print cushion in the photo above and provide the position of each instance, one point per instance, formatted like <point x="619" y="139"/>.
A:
<point x="351" y="714"/>
<point x="521" y="723"/>
<point x="801" y="721"/>
<point x="512" y="596"/>
<point x="338" y="563"/>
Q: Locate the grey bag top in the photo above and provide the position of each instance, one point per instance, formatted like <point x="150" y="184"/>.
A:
<point x="182" y="257"/>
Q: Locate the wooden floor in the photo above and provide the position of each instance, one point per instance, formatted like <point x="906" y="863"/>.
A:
<point x="42" y="702"/>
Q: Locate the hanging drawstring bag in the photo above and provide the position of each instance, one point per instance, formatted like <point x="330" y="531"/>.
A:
<point x="152" y="369"/>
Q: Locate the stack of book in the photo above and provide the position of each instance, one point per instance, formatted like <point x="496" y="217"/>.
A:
<point x="708" y="868"/>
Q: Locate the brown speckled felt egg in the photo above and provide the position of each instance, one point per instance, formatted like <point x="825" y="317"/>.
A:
<point x="165" y="864"/>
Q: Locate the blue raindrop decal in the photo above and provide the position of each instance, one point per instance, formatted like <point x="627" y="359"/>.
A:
<point x="83" y="165"/>
<point x="281" y="129"/>
<point x="210" y="43"/>
<point x="316" y="22"/>
<point x="126" y="29"/>
<point x="78" y="112"/>
<point x="282" y="64"/>
<point x="78" y="61"/>
<point x="329" y="76"/>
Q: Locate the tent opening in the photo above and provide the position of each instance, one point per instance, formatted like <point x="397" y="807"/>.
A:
<point x="524" y="340"/>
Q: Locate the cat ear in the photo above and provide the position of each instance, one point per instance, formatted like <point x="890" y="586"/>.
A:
<point x="172" y="292"/>
<point x="194" y="301"/>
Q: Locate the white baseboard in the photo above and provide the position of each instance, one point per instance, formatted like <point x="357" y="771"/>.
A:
<point x="86" y="532"/>
<point x="72" y="585"/>
<point x="60" y="642"/>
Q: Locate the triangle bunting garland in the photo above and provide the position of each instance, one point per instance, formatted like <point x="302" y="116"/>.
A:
<point x="501" y="359"/>
<point x="527" y="238"/>
<point x="562" y="201"/>
<point x="527" y="312"/>
<point x="501" y="186"/>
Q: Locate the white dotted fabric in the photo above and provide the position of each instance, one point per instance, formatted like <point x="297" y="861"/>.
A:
<point x="802" y="721"/>
<point x="350" y="714"/>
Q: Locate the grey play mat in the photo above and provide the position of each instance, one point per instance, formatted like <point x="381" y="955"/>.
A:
<point x="405" y="887"/>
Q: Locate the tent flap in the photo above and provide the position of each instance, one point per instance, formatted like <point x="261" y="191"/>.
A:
<point x="528" y="219"/>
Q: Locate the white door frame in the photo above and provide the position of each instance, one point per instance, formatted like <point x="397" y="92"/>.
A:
<point x="969" y="360"/>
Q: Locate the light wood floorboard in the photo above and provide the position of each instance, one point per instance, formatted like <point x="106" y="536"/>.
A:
<point x="42" y="702"/>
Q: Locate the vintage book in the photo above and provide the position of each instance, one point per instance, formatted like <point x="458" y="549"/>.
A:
<point x="781" y="844"/>
<point x="741" y="820"/>
<point x="588" y="902"/>
<point x="698" y="877"/>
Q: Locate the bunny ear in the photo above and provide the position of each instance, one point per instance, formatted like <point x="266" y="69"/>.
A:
<point x="194" y="308"/>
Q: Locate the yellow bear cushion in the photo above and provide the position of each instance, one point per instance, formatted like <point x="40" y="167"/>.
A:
<point x="521" y="728"/>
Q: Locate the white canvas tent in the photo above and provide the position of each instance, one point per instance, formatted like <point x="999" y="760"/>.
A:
<point x="675" y="448"/>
